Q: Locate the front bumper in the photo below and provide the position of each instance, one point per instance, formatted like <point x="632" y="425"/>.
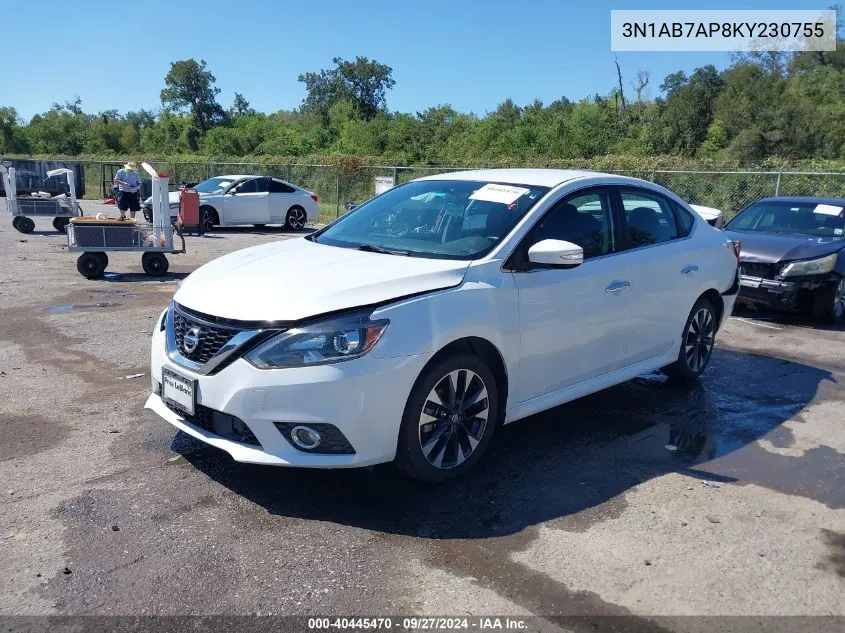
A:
<point x="363" y="398"/>
<point x="781" y="294"/>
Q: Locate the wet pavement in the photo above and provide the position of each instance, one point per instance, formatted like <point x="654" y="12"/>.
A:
<point x="645" y="499"/>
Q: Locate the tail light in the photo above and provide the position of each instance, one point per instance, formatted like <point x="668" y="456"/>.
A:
<point x="315" y="197"/>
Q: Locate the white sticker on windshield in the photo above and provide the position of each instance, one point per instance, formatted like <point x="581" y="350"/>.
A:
<point x="827" y="209"/>
<point x="502" y="194"/>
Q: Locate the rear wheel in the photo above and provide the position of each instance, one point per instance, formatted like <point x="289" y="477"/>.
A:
<point x="154" y="264"/>
<point x="697" y="343"/>
<point x="92" y="265"/>
<point x="296" y="218"/>
<point x="60" y="224"/>
<point x="23" y="224"/>
<point x="829" y="303"/>
<point x="449" y="419"/>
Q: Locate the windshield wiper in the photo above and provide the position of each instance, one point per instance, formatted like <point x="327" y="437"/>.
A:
<point x="370" y="248"/>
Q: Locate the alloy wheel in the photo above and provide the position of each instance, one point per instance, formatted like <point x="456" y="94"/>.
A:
<point x="453" y="419"/>
<point x="839" y="300"/>
<point x="698" y="343"/>
<point x="296" y="218"/>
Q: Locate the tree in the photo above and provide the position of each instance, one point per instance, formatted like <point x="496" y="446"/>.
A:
<point x="12" y="137"/>
<point x="240" y="107"/>
<point x="190" y="88"/>
<point x="364" y="82"/>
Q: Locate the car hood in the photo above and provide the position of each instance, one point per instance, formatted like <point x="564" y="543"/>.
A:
<point x="771" y="248"/>
<point x="172" y="199"/>
<point x="297" y="278"/>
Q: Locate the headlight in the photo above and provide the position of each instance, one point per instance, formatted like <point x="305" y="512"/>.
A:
<point x="810" y="267"/>
<point x="329" y="341"/>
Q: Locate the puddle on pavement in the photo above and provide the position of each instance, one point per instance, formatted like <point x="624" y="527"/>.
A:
<point x="24" y="435"/>
<point x="70" y="307"/>
<point x="836" y="557"/>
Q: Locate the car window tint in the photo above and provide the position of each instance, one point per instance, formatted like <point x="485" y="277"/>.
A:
<point x="649" y="218"/>
<point x="584" y="219"/>
<point x="684" y="218"/>
<point x="277" y="186"/>
<point x="248" y="186"/>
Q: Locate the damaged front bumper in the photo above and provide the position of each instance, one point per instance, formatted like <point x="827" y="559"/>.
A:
<point x="789" y="294"/>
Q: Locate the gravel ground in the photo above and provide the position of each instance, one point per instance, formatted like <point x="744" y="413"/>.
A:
<point x="724" y="499"/>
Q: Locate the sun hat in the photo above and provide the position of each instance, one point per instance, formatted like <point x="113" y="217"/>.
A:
<point x="131" y="166"/>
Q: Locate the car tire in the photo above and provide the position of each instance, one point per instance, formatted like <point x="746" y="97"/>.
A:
<point x="23" y="224"/>
<point x="60" y="224"/>
<point x="296" y="218"/>
<point x="697" y="342"/>
<point x="148" y="215"/>
<point x="439" y="441"/>
<point x="208" y="219"/>
<point x="829" y="303"/>
<point x="91" y="265"/>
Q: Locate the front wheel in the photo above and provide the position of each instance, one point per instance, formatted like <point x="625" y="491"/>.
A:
<point x="449" y="419"/>
<point x="829" y="303"/>
<point x="296" y="219"/>
<point x="208" y="218"/>
<point x="154" y="264"/>
<point x="92" y="265"/>
<point x="23" y="224"/>
<point x="60" y="224"/>
<point x="697" y="343"/>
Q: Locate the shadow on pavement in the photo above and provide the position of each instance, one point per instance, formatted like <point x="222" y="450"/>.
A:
<point x="574" y="462"/>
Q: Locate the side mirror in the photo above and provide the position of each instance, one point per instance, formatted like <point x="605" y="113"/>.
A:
<point x="232" y="192"/>
<point x="557" y="253"/>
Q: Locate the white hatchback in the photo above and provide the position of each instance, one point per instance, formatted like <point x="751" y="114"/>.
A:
<point x="421" y="321"/>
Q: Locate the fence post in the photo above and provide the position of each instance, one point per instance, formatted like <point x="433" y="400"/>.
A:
<point x="207" y="171"/>
<point x="103" y="178"/>
<point x="777" y="184"/>
<point x="289" y="173"/>
<point x="337" y="195"/>
<point x="394" y="176"/>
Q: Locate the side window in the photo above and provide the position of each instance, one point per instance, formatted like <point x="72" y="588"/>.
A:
<point x="649" y="217"/>
<point x="248" y="186"/>
<point x="277" y="186"/>
<point x="583" y="218"/>
<point x="684" y="218"/>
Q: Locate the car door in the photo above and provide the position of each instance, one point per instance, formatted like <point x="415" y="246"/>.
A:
<point x="661" y="265"/>
<point x="281" y="199"/>
<point x="573" y="321"/>
<point x="247" y="203"/>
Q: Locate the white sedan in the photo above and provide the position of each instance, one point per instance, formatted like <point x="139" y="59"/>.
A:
<point x="242" y="199"/>
<point x="421" y="321"/>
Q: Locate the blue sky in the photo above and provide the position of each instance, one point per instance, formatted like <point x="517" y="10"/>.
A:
<point x="115" y="54"/>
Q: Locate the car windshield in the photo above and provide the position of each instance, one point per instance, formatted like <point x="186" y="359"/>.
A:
<point x="213" y="185"/>
<point x="448" y="219"/>
<point x="805" y="218"/>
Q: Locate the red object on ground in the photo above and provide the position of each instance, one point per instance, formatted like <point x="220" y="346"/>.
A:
<point x="189" y="207"/>
<point x="109" y="201"/>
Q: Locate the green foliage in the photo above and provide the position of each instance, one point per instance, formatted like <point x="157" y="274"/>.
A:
<point x="189" y="87"/>
<point x="764" y="109"/>
<point x="364" y="82"/>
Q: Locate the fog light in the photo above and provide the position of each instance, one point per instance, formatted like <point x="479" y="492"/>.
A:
<point x="305" y="437"/>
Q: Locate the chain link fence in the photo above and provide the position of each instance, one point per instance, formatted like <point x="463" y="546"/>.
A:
<point x="336" y="185"/>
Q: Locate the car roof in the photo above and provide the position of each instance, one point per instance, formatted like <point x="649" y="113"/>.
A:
<point x="236" y="176"/>
<point x="531" y="177"/>
<point x="840" y="202"/>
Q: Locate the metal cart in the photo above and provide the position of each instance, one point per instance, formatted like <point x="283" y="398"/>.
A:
<point x="23" y="208"/>
<point x="95" y="238"/>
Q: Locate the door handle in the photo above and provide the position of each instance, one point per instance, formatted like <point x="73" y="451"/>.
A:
<point x="689" y="269"/>
<point x="618" y="286"/>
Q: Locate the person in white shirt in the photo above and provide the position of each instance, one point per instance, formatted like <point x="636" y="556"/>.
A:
<point x="128" y="182"/>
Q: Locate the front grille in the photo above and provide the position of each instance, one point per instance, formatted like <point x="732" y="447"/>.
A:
<point x="332" y="441"/>
<point x="211" y="338"/>
<point x="222" y="424"/>
<point x="756" y="269"/>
